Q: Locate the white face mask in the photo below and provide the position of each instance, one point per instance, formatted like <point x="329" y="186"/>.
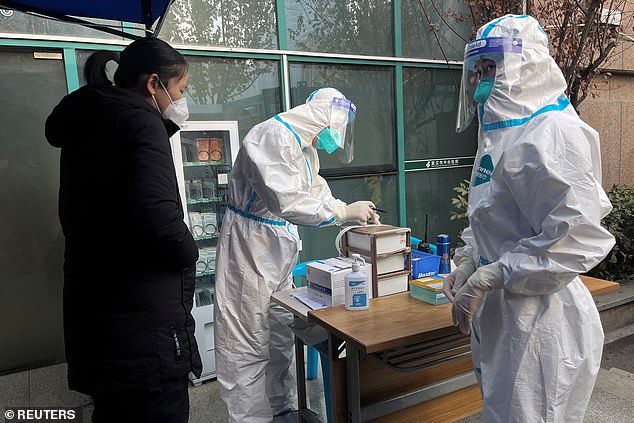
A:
<point x="176" y="111"/>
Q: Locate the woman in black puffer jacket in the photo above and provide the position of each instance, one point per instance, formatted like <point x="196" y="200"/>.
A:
<point x="129" y="257"/>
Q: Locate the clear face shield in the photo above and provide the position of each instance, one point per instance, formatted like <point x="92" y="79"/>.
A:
<point x="484" y="60"/>
<point x="338" y="138"/>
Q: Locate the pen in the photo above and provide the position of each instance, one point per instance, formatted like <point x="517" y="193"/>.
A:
<point x="378" y="209"/>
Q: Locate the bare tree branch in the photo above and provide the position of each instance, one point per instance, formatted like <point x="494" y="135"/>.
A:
<point x="473" y="18"/>
<point x="562" y="33"/>
<point x="431" y="27"/>
<point x="599" y="60"/>
<point x="590" y="15"/>
<point x="445" y="21"/>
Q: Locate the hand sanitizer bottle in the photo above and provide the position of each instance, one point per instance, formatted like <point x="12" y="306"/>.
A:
<point x="356" y="284"/>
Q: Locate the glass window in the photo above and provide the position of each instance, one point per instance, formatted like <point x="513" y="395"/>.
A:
<point x="31" y="240"/>
<point x="430" y="192"/>
<point x="81" y="57"/>
<point x="334" y="26"/>
<point x="245" y="90"/>
<point x="382" y="190"/>
<point x="371" y="88"/>
<point x="227" y="23"/>
<point x="21" y="23"/>
<point x="430" y="104"/>
<point x="439" y="30"/>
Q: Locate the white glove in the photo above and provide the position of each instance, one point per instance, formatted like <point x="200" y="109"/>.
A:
<point x="454" y="281"/>
<point x="376" y="220"/>
<point x="470" y="295"/>
<point x="359" y="212"/>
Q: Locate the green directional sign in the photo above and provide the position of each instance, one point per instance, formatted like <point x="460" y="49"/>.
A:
<point x="431" y="164"/>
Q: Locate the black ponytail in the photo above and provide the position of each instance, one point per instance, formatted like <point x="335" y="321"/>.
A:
<point x="95" y="69"/>
<point x="144" y="57"/>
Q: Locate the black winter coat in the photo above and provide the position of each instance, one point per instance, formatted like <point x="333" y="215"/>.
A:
<point x="129" y="257"/>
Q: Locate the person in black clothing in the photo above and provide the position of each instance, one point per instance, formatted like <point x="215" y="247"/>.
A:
<point x="129" y="257"/>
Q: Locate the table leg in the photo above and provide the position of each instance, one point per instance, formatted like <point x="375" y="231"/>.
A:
<point x="354" y="388"/>
<point x="301" y="375"/>
<point x="332" y="354"/>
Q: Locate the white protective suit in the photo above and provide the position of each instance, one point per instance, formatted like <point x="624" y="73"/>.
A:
<point x="274" y="186"/>
<point x="535" y="207"/>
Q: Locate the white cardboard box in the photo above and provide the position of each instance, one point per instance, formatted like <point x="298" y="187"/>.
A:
<point x="326" y="279"/>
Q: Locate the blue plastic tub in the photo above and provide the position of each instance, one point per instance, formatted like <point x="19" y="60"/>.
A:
<point x="424" y="265"/>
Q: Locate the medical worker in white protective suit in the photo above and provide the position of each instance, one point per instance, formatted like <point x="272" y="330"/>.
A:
<point x="535" y="207"/>
<point x="274" y="186"/>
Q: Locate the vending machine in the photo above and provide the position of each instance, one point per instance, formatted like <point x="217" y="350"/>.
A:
<point x="204" y="152"/>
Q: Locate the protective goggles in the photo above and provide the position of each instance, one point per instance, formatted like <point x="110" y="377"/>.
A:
<point x="483" y="65"/>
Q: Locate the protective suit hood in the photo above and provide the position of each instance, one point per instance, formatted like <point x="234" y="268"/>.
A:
<point x="527" y="82"/>
<point x="308" y="119"/>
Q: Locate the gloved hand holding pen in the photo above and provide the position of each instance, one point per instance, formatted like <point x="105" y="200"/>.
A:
<point x="359" y="212"/>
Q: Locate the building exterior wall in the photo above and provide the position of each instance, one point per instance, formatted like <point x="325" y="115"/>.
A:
<point x="610" y="107"/>
<point x="611" y="113"/>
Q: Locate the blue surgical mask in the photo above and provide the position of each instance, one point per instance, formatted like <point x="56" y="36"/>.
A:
<point x="483" y="90"/>
<point x="329" y="140"/>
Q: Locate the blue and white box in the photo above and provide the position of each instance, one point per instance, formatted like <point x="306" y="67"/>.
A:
<point x="326" y="279"/>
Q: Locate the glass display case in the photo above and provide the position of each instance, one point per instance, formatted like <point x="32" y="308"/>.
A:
<point x="204" y="152"/>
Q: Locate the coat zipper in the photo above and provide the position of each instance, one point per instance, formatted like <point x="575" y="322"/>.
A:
<point x="177" y="345"/>
<point x="191" y="361"/>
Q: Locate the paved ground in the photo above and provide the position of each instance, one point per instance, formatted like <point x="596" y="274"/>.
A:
<point x="207" y="407"/>
<point x="613" y="396"/>
<point x="612" y="400"/>
<point x="619" y="354"/>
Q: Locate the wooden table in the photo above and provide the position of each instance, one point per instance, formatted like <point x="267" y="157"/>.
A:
<point x="400" y="352"/>
<point x="403" y="359"/>
<point x="430" y="340"/>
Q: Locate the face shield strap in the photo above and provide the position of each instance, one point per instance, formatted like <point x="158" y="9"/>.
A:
<point x="347" y="105"/>
<point x="493" y="45"/>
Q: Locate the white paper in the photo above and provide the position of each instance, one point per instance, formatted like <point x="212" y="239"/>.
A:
<point x="309" y="302"/>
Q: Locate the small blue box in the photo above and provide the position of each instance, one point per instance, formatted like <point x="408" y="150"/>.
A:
<point x="428" y="290"/>
<point x="424" y="265"/>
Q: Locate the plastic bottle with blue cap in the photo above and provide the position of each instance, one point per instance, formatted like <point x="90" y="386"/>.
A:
<point x="356" y="284"/>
